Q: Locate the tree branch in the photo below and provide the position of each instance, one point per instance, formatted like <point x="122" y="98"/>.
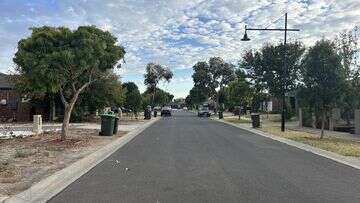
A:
<point x="63" y="97"/>
<point x="73" y="87"/>
<point x="84" y="86"/>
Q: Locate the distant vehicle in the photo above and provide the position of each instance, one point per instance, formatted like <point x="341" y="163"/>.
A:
<point x="166" y="111"/>
<point x="185" y="108"/>
<point x="204" y="111"/>
<point x="125" y="110"/>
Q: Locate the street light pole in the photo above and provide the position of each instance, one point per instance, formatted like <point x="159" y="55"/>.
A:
<point x="284" y="72"/>
<point x="284" y="85"/>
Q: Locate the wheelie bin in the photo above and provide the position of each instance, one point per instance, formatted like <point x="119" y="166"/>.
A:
<point x="107" y="124"/>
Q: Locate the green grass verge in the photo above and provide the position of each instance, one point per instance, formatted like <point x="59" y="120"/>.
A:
<point x="338" y="145"/>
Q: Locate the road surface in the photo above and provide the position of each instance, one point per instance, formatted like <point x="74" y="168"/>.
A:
<point x="188" y="159"/>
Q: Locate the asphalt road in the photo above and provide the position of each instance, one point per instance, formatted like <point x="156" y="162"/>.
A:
<point x="188" y="159"/>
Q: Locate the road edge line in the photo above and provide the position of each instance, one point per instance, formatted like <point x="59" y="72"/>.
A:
<point x="55" y="183"/>
<point x="323" y="153"/>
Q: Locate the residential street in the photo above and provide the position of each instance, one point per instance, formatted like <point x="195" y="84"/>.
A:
<point x="184" y="158"/>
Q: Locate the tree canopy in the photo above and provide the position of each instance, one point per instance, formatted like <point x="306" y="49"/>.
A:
<point x="239" y="93"/>
<point x="196" y="96"/>
<point x="323" y="76"/>
<point x="63" y="61"/>
<point x="132" y="97"/>
<point x="161" y="97"/>
<point x="208" y="76"/>
<point x="266" y="66"/>
<point x="154" y="74"/>
<point x="102" y="93"/>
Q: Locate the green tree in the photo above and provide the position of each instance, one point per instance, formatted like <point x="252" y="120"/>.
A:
<point x="251" y="67"/>
<point x="273" y="66"/>
<point x="323" y="77"/>
<point x="132" y="97"/>
<point x="160" y="98"/>
<point x="196" y="96"/>
<point x="209" y="76"/>
<point x="239" y="93"/>
<point x="145" y="100"/>
<point x="223" y="73"/>
<point x="154" y="74"/>
<point x="347" y="48"/>
<point x="63" y="61"/>
<point x="101" y="93"/>
<point x="265" y="68"/>
<point x="203" y="79"/>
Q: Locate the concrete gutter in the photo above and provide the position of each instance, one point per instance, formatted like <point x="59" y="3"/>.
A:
<point x="52" y="185"/>
<point x="349" y="161"/>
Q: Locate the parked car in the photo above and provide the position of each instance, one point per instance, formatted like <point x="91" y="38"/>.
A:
<point x="204" y="111"/>
<point x="185" y="108"/>
<point x="166" y="111"/>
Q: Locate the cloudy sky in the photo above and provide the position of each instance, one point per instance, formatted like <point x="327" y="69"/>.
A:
<point x="177" y="33"/>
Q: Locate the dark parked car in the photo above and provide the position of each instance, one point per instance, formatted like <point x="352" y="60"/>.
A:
<point x="204" y="111"/>
<point x="166" y="111"/>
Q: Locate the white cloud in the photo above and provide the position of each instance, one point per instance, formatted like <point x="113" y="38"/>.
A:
<point x="178" y="33"/>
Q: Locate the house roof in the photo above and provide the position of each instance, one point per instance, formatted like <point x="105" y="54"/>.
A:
<point x="5" y="81"/>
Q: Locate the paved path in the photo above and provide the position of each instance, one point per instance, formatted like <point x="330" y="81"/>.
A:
<point x="188" y="159"/>
<point x="123" y="125"/>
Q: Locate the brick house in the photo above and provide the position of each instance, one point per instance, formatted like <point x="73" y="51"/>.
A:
<point x="13" y="107"/>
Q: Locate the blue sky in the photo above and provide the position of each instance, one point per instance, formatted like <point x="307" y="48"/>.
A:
<point x="176" y="33"/>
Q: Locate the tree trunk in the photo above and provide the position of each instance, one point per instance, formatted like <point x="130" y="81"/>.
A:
<point x="68" y="109"/>
<point x="153" y="99"/>
<point x="66" y="121"/>
<point x="323" y="123"/>
<point x="52" y="109"/>
<point x="348" y="112"/>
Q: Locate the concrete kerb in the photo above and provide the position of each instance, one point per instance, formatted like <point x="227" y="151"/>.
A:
<point x="3" y="198"/>
<point x="52" y="185"/>
<point x="349" y="161"/>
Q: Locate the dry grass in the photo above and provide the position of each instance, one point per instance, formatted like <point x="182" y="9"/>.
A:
<point x="8" y="172"/>
<point x="23" y="153"/>
<point x="236" y="120"/>
<point x="24" y="161"/>
<point x="338" y="145"/>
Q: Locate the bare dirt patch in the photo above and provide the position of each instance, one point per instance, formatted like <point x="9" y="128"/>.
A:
<point x="25" y="161"/>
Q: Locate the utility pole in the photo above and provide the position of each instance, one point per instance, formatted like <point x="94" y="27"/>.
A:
<point x="285" y="69"/>
<point x="284" y="85"/>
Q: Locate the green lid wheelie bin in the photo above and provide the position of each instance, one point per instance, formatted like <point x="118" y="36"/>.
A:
<point x="107" y="124"/>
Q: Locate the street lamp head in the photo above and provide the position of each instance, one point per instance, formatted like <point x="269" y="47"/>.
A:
<point x="245" y="38"/>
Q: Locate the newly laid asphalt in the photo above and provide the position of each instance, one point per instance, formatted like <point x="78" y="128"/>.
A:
<point x="188" y="159"/>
